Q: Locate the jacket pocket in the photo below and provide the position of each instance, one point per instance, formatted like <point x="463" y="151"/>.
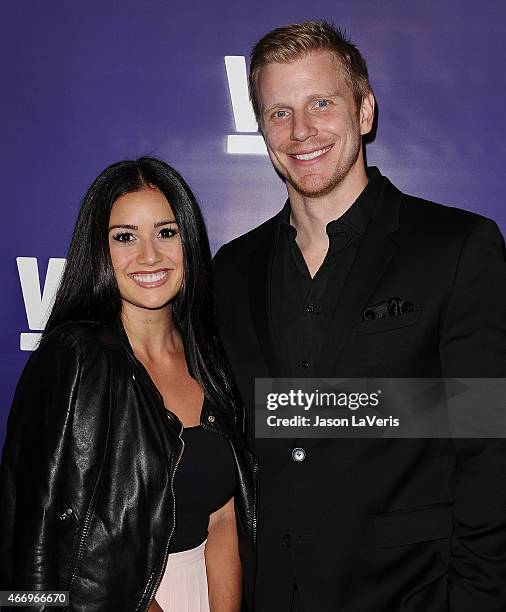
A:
<point x="387" y="324"/>
<point x="420" y="524"/>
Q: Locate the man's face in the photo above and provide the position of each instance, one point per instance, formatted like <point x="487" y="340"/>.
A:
<point x="310" y="121"/>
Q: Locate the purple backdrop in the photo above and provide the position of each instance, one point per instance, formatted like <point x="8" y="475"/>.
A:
<point x="86" y="84"/>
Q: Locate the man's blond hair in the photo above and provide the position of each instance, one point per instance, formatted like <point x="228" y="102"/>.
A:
<point x="295" y="41"/>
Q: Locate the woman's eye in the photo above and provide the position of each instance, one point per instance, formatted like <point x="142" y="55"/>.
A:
<point x="123" y="237"/>
<point x="168" y="232"/>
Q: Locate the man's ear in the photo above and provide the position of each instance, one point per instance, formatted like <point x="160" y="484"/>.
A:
<point x="367" y="113"/>
<point x="258" y="117"/>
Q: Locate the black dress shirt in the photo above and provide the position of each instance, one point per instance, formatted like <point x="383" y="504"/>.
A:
<point x="301" y="306"/>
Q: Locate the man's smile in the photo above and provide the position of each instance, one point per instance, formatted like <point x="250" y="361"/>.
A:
<point x="310" y="155"/>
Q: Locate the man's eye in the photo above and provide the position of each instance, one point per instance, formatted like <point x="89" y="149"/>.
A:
<point x="168" y="232"/>
<point x="322" y="103"/>
<point x="123" y="237"/>
<point x="280" y="114"/>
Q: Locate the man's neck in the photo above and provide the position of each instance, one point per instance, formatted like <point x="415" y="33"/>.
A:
<point x="310" y="216"/>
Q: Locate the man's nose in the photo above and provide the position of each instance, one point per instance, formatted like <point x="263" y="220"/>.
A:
<point x="302" y="127"/>
<point x="149" y="252"/>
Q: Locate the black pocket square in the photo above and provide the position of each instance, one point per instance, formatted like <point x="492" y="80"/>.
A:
<point x="393" y="307"/>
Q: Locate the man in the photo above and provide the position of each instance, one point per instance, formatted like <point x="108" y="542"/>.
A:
<point x="355" y="279"/>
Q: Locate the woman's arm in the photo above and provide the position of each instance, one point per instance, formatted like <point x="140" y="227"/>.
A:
<point x="37" y="435"/>
<point x="54" y="433"/>
<point x="224" y="573"/>
<point x="155" y="607"/>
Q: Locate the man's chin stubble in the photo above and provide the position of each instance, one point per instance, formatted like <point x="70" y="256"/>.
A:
<point x="319" y="190"/>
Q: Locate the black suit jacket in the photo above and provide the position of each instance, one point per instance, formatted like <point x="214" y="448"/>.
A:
<point x="382" y="525"/>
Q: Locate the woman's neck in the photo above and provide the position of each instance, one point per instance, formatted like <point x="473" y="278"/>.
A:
<point x="151" y="333"/>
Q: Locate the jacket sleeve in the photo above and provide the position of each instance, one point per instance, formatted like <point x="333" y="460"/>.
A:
<point x="473" y="345"/>
<point x="38" y="431"/>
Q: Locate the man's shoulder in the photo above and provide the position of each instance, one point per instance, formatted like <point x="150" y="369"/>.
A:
<point x="421" y="212"/>
<point x="434" y="219"/>
<point x="247" y="243"/>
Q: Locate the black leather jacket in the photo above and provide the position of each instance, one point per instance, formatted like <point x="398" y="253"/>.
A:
<point x="87" y="502"/>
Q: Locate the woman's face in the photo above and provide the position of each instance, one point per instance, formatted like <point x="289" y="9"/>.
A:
<point x="146" y="250"/>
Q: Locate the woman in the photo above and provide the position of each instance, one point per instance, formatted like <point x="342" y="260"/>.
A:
<point x="124" y="477"/>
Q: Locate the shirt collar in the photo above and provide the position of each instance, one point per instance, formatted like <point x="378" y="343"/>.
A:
<point x="357" y="216"/>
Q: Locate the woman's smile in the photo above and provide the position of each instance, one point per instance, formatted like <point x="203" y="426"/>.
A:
<point x="149" y="280"/>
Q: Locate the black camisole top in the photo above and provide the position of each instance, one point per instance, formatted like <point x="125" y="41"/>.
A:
<point x="205" y="479"/>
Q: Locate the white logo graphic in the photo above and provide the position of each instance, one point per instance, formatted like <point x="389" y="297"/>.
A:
<point x="244" y="117"/>
<point x="37" y="306"/>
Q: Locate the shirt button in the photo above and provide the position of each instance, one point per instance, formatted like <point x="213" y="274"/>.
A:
<point x="285" y="540"/>
<point x="305" y="364"/>
<point x="210" y="418"/>
<point x="298" y="454"/>
<point x="310" y="308"/>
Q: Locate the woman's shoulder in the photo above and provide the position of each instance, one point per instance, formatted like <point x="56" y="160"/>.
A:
<point x="73" y="347"/>
<point x="66" y="356"/>
<point x="80" y="337"/>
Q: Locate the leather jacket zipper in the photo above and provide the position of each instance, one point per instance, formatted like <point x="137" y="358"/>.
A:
<point x="166" y="552"/>
<point x="255" y="503"/>
<point x="82" y="539"/>
<point x="74" y="565"/>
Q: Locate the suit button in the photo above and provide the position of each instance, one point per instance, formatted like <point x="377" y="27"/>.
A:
<point x="298" y="454"/>
<point x="285" y="541"/>
<point x="310" y="308"/>
<point x="210" y="418"/>
<point x="305" y="364"/>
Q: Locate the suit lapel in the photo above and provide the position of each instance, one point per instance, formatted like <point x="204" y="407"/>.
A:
<point x="375" y="252"/>
<point x="259" y="276"/>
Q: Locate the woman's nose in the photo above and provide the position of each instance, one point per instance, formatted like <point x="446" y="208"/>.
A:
<point x="149" y="253"/>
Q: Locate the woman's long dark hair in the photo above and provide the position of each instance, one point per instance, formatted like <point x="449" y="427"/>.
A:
<point x="88" y="290"/>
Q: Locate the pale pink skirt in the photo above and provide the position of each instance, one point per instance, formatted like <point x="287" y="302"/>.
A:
<point x="184" y="584"/>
